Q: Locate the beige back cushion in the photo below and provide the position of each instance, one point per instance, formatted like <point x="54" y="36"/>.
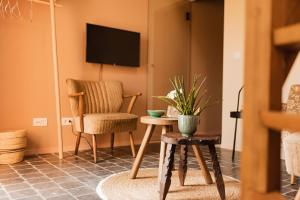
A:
<point x="99" y="96"/>
<point x="293" y="103"/>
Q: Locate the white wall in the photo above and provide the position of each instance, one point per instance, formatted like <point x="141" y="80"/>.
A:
<point x="233" y="68"/>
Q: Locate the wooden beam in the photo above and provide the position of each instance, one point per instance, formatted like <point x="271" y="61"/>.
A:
<point x="260" y="167"/>
<point x="287" y="36"/>
<point x="280" y="121"/>
<point x="56" y="80"/>
<point x="257" y="59"/>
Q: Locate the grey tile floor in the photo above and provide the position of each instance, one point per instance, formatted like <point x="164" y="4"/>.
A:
<point x="76" y="177"/>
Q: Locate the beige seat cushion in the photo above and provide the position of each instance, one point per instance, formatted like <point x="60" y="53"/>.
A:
<point x="99" y="123"/>
<point x="291" y="145"/>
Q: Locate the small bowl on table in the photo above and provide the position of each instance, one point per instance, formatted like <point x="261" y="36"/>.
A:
<point x="156" y="113"/>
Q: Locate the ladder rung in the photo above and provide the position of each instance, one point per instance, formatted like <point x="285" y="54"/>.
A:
<point x="288" y="36"/>
<point x="280" y="120"/>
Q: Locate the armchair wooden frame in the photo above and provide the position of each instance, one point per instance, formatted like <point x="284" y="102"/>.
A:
<point x="80" y="95"/>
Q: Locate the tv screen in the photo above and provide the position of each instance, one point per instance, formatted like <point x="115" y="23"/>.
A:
<point x="107" y="45"/>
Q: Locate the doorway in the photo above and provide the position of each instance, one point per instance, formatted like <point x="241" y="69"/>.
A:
<point x="186" y="38"/>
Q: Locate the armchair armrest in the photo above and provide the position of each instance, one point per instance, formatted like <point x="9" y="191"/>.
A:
<point x="132" y="101"/>
<point x="131" y="95"/>
<point x="80" y="107"/>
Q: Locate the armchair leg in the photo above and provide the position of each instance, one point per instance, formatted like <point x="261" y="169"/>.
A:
<point x="132" y="144"/>
<point x="77" y="143"/>
<point x="112" y="141"/>
<point x="95" y="147"/>
<point x="293" y="179"/>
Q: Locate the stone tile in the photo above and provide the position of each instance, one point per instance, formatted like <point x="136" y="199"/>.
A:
<point x="69" y="185"/>
<point x="12" y="181"/>
<point x="45" y="186"/>
<point x="103" y="172"/>
<point x="38" y="180"/>
<point x="6" y="171"/>
<point x="52" y="192"/>
<point x="32" y="175"/>
<point x="56" y="174"/>
<point x="81" y="191"/>
<point x="50" y="170"/>
<point x="73" y="169"/>
<point x="89" y="197"/>
<point x="18" y="186"/>
<point x="63" y="179"/>
<point x="62" y="197"/>
<point x="22" y="193"/>
<point x="64" y="165"/>
<point x="9" y="176"/>
<point x="2" y="193"/>
<point x="79" y="174"/>
<point x="44" y="166"/>
<point x="27" y="171"/>
<point x="32" y="198"/>
<point x="87" y="178"/>
<point x="38" y="163"/>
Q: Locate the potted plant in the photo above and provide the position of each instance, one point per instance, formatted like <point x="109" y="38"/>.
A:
<point x="190" y="104"/>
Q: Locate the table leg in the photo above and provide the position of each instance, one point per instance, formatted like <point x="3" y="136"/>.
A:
<point x="217" y="170"/>
<point x="165" y="180"/>
<point x="183" y="164"/>
<point x="202" y="164"/>
<point x="162" y="152"/>
<point x="140" y="155"/>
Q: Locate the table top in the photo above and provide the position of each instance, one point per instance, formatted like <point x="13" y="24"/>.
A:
<point x="197" y="138"/>
<point x="164" y="121"/>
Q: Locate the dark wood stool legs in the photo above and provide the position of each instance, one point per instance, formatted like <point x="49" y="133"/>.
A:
<point x="165" y="180"/>
<point x="173" y="139"/>
<point x="183" y="164"/>
<point x="217" y="170"/>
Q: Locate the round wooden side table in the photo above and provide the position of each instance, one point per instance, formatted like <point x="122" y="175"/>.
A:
<point x="167" y="125"/>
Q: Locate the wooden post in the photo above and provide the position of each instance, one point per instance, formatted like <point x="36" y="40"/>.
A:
<point x="266" y="67"/>
<point x="56" y="79"/>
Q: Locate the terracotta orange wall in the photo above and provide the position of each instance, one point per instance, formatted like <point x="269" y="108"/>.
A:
<point x="26" y="73"/>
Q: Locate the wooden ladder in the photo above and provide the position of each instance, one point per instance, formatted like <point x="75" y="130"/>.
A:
<point x="272" y="43"/>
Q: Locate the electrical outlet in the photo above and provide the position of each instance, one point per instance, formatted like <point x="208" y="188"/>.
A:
<point x="39" y="122"/>
<point x="66" y="121"/>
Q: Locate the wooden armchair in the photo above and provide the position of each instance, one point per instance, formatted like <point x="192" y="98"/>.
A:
<point x="95" y="107"/>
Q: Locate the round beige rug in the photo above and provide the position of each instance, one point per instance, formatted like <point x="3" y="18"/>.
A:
<point x="145" y="187"/>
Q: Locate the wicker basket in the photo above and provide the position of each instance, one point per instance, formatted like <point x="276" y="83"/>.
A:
<point x="12" y="146"/>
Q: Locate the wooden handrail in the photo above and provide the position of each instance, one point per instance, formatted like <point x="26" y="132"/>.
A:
<point x="287" y="36"/>
<point x="281" y="120"/>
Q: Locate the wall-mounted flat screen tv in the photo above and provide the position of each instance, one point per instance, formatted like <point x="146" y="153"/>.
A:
<point x="107" y="45"/>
